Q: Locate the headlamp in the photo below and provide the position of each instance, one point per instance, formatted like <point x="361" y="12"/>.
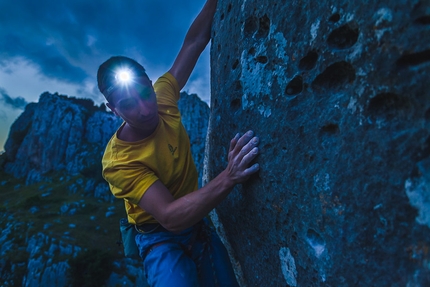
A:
<point x="123" y="77"/>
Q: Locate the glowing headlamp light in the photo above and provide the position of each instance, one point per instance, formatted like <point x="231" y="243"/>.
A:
<point x="123" y="77"/>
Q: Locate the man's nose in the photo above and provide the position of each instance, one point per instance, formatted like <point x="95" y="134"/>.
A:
<point x="144" y="108"/>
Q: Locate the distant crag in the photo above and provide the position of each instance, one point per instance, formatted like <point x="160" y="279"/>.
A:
<point x="339" y="94"/>
<point x="69" y="135"/>
<point x="60" y="134"/>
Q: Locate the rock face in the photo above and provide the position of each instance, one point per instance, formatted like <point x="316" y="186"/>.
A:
<point x="195" y="118"/>
<point x="59" y="134"/>
<point x="66" y="134"/>
<point x="339" y="94"/>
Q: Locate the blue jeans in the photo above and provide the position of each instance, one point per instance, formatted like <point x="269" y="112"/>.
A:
<point x="169" y="264"/>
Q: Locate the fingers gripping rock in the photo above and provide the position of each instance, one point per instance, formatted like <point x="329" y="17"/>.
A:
<point x="242" y="151"/>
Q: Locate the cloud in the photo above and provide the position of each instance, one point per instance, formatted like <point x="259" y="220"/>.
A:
<point x="17" y="103"/>
<point x="57" y="45"/>
<point x="3" y="115"/>
<point x="67" y="39"/>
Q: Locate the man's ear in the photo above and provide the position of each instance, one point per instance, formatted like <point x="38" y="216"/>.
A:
<point x="112" y="108"/>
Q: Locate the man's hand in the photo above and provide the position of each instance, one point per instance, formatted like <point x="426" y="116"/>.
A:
<point x="242" y="151"/>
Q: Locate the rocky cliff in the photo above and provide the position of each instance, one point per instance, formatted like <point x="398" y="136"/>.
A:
<point x="55" y="204"/>
<point x="68" y="134"/>
<point x="339" y="93"/>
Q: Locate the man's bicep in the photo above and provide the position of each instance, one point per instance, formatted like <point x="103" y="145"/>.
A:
<point x="155" y="200"/>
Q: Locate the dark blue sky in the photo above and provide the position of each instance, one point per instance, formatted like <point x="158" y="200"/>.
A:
<point x="57" y="46"/>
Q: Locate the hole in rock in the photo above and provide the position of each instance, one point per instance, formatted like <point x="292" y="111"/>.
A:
<point x="229" y="8"/>
<point x="237" y="86"/>
<point x="251" y="26"/>
<point x="236" y="104"/>
<point x="421" y="13"/>
<point x="295" y="86"/>
<point x="389" y="105"/>
<point x="344" y="37"/>
<point x="335" y="76"/>
<point x="309" y="61"/>
<point x="414" y="59"/>
<point x="334" y="18"/>
<point x="264" y="27"/>
<point x="251" y="51"/>
<point x="384" y="101"/>
<point x="330" y="129"/>
<point x="261" y="59"/>
<point x="235" y="64"/>
<point x="294" y="236"/>
<point x="222" y="17"/>
<point x="423" y="20"/>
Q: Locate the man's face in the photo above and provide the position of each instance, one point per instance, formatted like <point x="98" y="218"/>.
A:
<point x="136" y="104"/>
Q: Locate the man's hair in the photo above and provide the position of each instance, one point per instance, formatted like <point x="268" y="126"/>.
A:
<point x="107" y="72"/>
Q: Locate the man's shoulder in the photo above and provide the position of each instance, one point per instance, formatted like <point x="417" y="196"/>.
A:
<point x="167" y="90"/>
<point x="167" y="80"/>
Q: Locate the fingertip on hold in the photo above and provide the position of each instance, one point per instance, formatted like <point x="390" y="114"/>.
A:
<point x="236" y="137"/>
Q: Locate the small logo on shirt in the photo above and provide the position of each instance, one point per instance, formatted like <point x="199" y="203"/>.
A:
<point x="172" y="150"/>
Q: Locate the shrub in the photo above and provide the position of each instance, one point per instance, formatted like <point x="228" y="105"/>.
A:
<point x="90" y="268"/>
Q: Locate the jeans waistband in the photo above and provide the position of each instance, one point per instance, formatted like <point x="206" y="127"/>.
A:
<point x="150" y="228"/>
<point x="157" y="227"/>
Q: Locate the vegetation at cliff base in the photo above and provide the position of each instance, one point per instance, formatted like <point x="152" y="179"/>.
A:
<point x="90" y="268"/>
<point x="60" y="209"/>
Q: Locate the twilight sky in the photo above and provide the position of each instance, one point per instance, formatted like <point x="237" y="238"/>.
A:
<point x="57" y="46"/>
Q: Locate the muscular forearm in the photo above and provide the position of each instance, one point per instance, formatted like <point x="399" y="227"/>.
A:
<point x="198" y="36"/>
<point x="190" y="209"/>
<point x="200" y="30"/>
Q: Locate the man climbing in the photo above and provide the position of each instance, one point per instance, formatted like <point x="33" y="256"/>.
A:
<point x="148" y="163"/>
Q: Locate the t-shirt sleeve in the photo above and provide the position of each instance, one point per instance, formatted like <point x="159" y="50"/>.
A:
<point x="167" y="90"/>
<point x="129" y="181"/>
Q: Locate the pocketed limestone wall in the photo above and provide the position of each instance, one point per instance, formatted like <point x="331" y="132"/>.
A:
<point x="339" y="94"/>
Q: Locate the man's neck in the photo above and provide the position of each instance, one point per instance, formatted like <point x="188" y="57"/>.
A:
<point x="131" y="134"/>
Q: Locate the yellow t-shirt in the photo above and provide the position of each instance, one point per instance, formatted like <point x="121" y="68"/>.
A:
<point x="131" y="168"/>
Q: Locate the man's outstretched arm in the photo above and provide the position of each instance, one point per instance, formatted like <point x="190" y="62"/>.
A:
<point x="196" y="39"/>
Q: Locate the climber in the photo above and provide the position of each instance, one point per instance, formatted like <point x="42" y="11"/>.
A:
<point x="148" y="163"/>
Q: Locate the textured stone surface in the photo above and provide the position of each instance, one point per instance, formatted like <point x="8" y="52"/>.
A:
<point x="195" y="118"/>
<point x="339" y="93"/>
<point x="58" y="134"/>
<point x="65" y="134"/>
